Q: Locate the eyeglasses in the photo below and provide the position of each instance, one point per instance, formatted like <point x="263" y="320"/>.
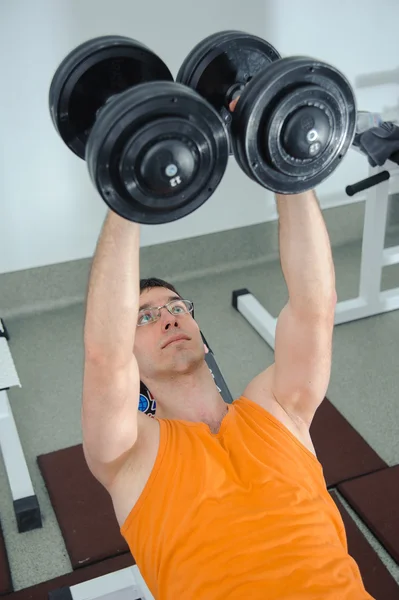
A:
<point x="175" y="307"/>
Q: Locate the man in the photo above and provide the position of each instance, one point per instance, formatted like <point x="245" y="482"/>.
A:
<point x="216" y="501"/>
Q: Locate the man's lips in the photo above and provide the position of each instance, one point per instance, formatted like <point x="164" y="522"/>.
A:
<point x="176" y="338"/>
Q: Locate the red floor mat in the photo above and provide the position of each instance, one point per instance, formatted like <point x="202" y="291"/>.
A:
<point x="341" y="450"/>
<point x="83" y="508"/>
<point x="376" y="578"/>
<point x="376" y="499"/>
<point x="41" y="591"/>
<point x="5" y="576"/>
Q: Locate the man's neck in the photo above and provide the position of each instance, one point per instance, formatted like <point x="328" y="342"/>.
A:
<point x="191" y="398"/>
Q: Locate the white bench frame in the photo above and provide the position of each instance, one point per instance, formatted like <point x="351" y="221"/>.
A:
<point x="26" y="506"/>
<point x="125" y="584"/>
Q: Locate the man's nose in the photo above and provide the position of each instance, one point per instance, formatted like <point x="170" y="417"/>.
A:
<point x="167" y="317"/>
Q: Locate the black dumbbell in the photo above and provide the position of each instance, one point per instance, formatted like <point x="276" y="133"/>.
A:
<point x="295" y="118"/>
<point x="155" y="149"/>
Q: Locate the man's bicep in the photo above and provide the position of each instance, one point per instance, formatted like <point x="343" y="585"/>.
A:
<point x="303" y="351"/>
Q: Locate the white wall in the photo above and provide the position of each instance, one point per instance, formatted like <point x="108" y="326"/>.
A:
<point x="50" y="211"/>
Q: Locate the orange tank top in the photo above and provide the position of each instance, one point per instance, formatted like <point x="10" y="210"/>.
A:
<point x="243" y="513"/>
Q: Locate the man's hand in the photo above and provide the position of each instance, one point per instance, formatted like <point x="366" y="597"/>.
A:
<point x="232" y="104"/>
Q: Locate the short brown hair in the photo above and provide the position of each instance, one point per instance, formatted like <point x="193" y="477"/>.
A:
<point x="154" y="282"/>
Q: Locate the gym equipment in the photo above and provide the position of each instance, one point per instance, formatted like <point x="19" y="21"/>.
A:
<point x="155" y="150"/>
<point x="293" y="124"/>
<point x="367" y="183"/>
<point x="295" y="118"/>
<point x="379" y="143"/>
<point x="124" y="583"/>
<point x="26" y="506"/>
<point x="382" y="487"/>
<point x="221" y="65"/>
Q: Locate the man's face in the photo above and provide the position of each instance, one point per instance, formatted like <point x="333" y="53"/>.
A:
<point x="154" y="357"/>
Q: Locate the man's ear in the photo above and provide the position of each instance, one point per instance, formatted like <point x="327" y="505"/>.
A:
<point x="206" y="349"/>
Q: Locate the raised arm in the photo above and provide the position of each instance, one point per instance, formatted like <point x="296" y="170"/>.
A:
<point x="111" y="385"/>
<point x="303" y="343"/>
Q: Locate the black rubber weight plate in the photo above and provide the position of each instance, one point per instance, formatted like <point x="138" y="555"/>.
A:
<point x="123" y="120"/>
<point x="216" y="44"/>
<point x="83" y="82"/>
<point x="256" y="105"/>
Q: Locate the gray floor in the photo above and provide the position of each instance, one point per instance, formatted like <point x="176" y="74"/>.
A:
<point x="47" y="350"/>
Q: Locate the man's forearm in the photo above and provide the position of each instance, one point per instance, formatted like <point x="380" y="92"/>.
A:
<point x="113" y="294"/>
<point x="305" y="253"/>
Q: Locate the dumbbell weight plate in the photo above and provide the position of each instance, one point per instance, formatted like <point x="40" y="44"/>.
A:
<point x="293" y="124"/>
<point x="90" y="76"/>
<point x="221" y="65"/>
<point x="157" y="152"/>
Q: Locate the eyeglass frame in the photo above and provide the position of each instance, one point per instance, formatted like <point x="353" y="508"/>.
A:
<point x="159" y="308"/>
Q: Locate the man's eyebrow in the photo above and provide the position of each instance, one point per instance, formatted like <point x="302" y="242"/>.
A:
<point x="148" y="305"/>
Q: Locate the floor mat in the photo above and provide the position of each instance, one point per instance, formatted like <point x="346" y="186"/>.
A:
<point x="341" y="450"/>
<point x="376" y="578"/>
<point x="82" y="506"/>
<point x="41" y="590"/>
<point x="5" y="575"/>
<point x="376" y="499"/>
